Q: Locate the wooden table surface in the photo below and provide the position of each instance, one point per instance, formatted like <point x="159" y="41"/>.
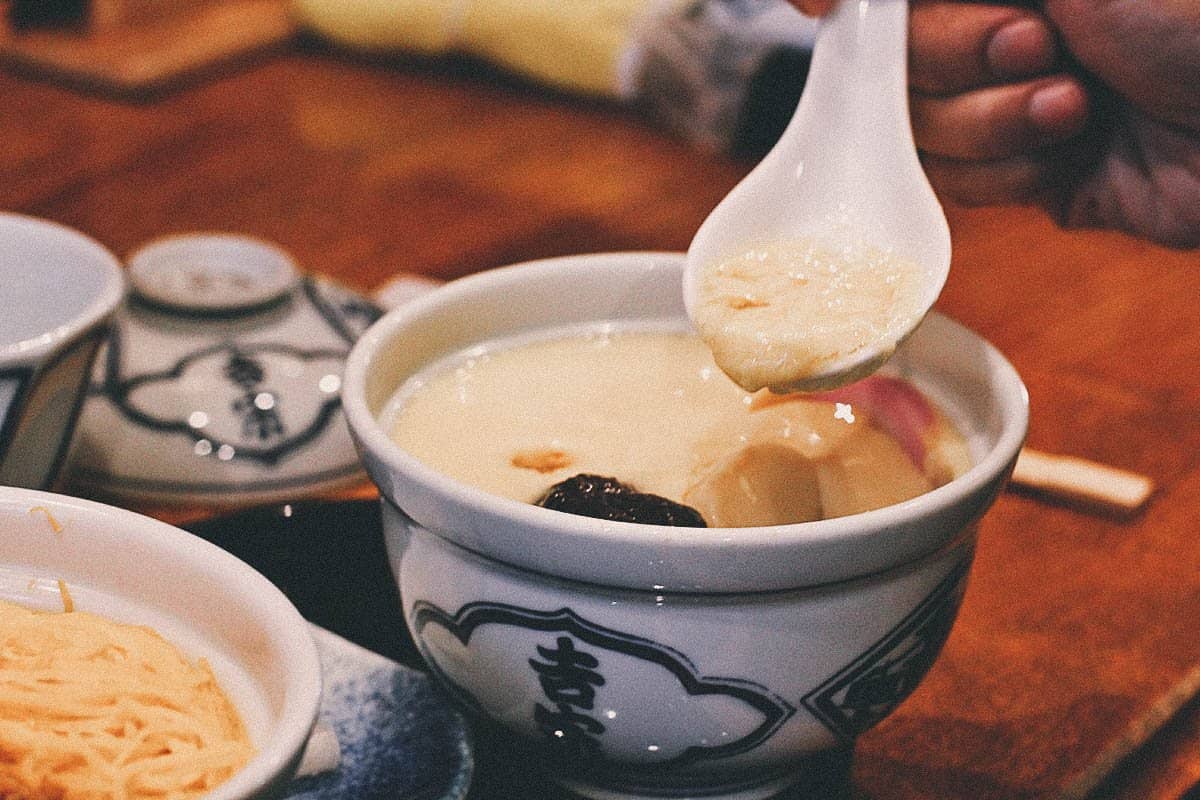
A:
<point x="1078" y="632"/>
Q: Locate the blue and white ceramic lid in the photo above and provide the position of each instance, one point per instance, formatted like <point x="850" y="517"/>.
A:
<point x="219" y="384"/>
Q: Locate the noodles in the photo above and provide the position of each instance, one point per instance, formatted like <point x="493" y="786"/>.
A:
<point x="55" y="525"/>
<point x="91" y="709"/>
<point x="65" y="593"/>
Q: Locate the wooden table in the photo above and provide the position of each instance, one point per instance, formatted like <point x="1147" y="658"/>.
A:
<point x="1077" y="629"/>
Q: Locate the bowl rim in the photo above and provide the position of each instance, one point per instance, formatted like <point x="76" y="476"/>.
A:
<point x="540" y="525"/>
<point x="101" y="306"/>
<point x="280" y="750"/>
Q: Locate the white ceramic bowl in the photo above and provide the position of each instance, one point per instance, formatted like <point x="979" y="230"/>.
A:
<point x="219" y="385"/>
<point x="58" y="290"/>
<point x="657" y="661"/>
<point x="136" y="569"/>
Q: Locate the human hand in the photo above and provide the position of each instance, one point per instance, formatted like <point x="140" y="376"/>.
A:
<point x="1089" y="107"/>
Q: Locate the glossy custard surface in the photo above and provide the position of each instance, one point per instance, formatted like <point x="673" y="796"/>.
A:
<point x="652" y="410"/>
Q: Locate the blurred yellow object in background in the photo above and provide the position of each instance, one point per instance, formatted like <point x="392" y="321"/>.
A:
<point x="584" y="47"/>
<point x="724" y="74"/>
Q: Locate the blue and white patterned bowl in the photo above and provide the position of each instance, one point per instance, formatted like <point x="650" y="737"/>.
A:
<point x="220" y="383"/>
<point x="58" y="291"/>
<point x="648" y="661"/>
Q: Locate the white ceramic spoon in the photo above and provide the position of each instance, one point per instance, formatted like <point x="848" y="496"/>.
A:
<point x="845" y="169"/>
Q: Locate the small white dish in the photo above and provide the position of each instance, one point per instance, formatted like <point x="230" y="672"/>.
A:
<point x="220" y="382"/>
<point x="135" y="569"/>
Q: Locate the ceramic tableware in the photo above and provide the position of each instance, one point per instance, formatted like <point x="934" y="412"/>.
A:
<point x="845" y="171"/>
<point x="138" y="570"/>
<point x="396" y="737"/>
<point x="645" y="661"/>
<point x="58" y="291"/>
<point x="219" y="385"/>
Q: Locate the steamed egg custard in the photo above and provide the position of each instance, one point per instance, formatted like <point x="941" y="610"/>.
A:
<point x="776" y="315"/>
<point x="652" y="409"/>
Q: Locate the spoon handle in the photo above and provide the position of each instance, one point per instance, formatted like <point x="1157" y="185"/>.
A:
<point x="858" y="79"/>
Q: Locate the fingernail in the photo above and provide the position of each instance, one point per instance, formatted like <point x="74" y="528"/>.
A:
<point x="1059" y="109"/>
<point x="1021" y="48"/>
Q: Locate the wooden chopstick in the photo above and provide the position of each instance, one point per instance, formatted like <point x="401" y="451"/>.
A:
<point x="1079" y="480"/>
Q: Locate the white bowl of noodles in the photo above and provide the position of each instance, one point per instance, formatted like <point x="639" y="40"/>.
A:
<point x="222" y="619"/>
